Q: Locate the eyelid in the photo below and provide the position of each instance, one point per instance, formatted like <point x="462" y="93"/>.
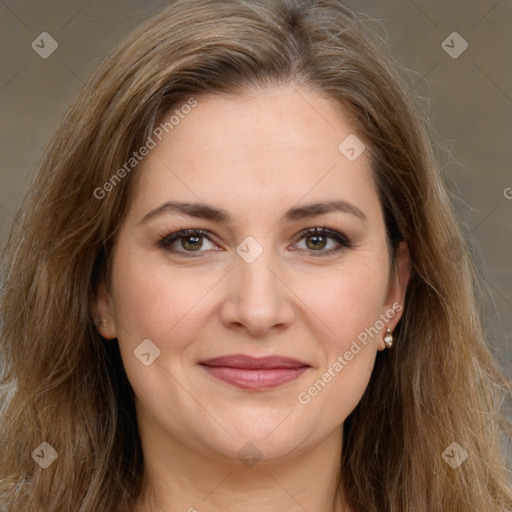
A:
<point x="165" y="241"/>
<point x="330" y="233"/>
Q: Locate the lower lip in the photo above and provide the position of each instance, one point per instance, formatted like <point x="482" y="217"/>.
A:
<point x="255" y="379"/>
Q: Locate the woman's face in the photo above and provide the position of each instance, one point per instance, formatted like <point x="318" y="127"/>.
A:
<point x="247" y="171"/>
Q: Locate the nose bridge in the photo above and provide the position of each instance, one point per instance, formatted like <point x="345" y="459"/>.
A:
<point x="257" y="298"/>
<point x="255" y="259"/>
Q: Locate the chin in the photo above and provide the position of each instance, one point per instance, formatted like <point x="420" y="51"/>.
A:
<point x="266" y="444"/>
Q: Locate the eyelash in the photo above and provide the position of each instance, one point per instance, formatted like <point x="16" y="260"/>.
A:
<point x="344" y="242"/>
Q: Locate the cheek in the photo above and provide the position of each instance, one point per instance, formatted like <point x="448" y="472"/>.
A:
<point x="154" y="303"/>
<point x="149" y="298"/>
<point x="349" y="308"/>
<point x="349" y="302"/>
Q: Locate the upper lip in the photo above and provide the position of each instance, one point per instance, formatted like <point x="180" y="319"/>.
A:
<point x="244" y="361"/>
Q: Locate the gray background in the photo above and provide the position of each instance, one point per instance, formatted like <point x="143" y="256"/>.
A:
<point x="468" y="100"/>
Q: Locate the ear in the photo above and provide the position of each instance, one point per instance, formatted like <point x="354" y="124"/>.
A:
<point x="103" y="309"/>
<point x="397" y="287"/>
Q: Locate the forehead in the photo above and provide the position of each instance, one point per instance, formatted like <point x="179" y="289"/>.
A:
<point x="265" y="119"/>
<point x="273" y="145"/>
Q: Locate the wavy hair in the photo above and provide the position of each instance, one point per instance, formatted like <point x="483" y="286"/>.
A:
<point x="65" y="386"/>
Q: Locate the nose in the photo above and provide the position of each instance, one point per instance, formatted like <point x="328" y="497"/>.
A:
<point x="258" y="299"/>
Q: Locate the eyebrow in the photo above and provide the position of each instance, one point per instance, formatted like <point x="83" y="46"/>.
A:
<point x="204" y="211"/>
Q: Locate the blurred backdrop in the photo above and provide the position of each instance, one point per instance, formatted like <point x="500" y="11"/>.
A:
<point x="457" y="59"/>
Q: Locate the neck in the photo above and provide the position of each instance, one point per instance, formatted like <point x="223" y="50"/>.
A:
<point x="181" y="479"/>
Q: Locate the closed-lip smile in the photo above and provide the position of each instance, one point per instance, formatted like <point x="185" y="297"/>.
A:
<point x="256" y="373"/>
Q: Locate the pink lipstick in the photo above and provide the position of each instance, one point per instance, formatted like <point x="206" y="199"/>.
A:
<point x="247" y="372"/>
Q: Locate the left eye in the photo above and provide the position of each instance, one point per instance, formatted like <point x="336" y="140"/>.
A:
<point x="316" y="240"/>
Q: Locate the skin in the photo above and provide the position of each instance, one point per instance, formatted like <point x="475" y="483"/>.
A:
<point x="256" y="156"/>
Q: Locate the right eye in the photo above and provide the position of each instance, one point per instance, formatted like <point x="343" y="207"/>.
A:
<point x="189" y="240"/>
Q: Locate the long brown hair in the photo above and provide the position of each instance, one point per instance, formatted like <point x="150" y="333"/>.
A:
<point x="67" y="386"/>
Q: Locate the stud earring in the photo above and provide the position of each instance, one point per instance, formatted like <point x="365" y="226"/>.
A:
<point x="388" y="339"/>
<point x="101" y="321"/>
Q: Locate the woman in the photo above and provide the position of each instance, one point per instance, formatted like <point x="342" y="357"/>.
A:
<point x="230" y="285"/>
